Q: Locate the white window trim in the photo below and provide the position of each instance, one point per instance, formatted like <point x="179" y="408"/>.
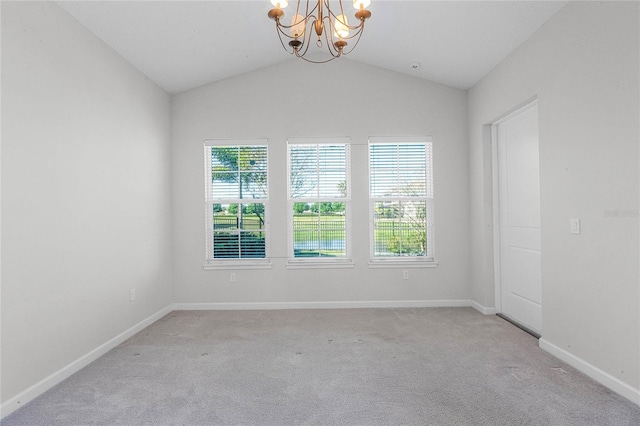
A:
<point x="217" y="265"/>
<point x="402" y="263"/>
<point x="427" y="261"/>
<point x="319" y="264"/>
<point x="311" y="262"/>
<point x="211" y="264"/>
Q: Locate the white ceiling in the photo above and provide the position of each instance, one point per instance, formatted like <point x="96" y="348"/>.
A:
<point x="185" y="44"/>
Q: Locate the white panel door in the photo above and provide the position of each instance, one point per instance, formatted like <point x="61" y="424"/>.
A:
<point x="519" y="218"/>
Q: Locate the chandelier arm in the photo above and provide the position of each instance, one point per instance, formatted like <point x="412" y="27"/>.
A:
<point x="298" y="8"/>
<point x="307" y="38"/>
<point x="281" y="33"/>
<point x="300" y="53"/>
<point x="330" y="45"/>
<point x="282" y="29"/>
<point x="282" y="42"/>
<point x="316" y="62"/>
<point x="359" y="34"/>
<point x="313" y="9"/>
<point x="333" y="15"/>
<point x="328" y="34"/>
<point x="307" y="15"/>
<point x="304" y="46"/>
<point x="351" y="27"/>
<point x="341" y="8"/>
<point x="358" y="28"/>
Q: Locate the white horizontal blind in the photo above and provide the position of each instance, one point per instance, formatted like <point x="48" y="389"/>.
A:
<point x="236" y="199"/>
<point x="319" y="197"/>
<point x="401" y="197"/>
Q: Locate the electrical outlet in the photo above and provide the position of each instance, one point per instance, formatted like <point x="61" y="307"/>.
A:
<point x="232" y="278"/>
<point x="132" y="294"/>
<point x="405" y="275"/>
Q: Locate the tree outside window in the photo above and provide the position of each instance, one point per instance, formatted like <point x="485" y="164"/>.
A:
<point x="318" y="198"/>
<point x="237" y="201"/>
<point x="401" y="197"/>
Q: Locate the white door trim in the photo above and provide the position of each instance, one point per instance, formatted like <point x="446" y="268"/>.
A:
<point x="496" y="218"/>
<point x="496" y="196"/>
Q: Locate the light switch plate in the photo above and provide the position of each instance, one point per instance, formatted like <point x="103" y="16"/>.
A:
<point x="574" y="226"/>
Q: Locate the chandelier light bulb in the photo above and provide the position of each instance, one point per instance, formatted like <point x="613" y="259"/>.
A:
<point x="341" y="26"/>
<point x="361" y="4"/>
<point x="298" y="24"/>
<point x="280" y="3"/>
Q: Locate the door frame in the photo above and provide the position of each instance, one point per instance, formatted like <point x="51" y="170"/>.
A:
<point x="495" y="188"/>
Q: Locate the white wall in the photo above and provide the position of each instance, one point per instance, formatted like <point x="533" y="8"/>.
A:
<point x="296" y="99"/>
<point x="85" y="194"/>
<point x="583" y="66"/>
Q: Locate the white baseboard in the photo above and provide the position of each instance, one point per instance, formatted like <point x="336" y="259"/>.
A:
<point x="592" y="371"/>
<point x="47" y="383"/>
<point x="482" y="309"/>
<point x="320" y="305"/>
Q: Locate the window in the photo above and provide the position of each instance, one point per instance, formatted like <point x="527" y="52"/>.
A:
<point x="401" y="198"/>
<point x="237" y="201"/>
<point x="319" y="199"/>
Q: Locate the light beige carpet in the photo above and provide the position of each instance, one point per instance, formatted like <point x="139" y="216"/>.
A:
<point x="432" y="366"/>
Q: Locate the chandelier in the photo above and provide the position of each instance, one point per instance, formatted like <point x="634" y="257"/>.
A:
<point x="317" y="20"/>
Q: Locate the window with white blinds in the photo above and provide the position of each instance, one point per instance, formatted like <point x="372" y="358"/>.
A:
<point x="236" y="200"/>
<point x="401" y="198"/>
<point x="319" y="198"/>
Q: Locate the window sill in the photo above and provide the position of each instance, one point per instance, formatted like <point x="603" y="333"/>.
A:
<point x="236" y="264"/>
<point x="402" y="263"/>
<point x="319" y="264"/>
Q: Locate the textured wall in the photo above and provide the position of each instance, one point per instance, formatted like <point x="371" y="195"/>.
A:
<point x="85" y="194"/>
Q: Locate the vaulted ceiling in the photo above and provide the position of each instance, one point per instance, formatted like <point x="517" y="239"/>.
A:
<point x="185" y="44"/>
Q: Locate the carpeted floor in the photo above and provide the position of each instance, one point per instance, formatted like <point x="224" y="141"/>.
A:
<point x="432" y="366"/>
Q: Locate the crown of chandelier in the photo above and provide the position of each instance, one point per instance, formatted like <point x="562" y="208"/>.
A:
<point x="317" y="20"/>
